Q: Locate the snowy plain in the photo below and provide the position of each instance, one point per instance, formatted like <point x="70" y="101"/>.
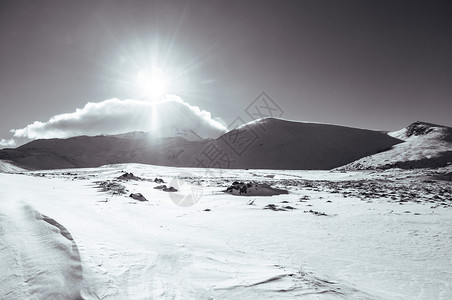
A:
<point x="76" y="233"/>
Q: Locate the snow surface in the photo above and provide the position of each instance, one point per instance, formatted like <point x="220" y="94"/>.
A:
<point x="66" y="234"/>
<point x="7" y="167"/>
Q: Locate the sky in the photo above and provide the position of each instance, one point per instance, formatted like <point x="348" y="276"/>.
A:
<point x="368" y="64"/>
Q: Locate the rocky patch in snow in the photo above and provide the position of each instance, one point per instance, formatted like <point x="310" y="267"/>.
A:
<point x="129" y="176"/>
<point x="316" y="213"/>
<point x="279" y="208"/>
<point x="418" y="128"/>
<point x="159" y="180"/>
<point x="430" y="192"/>
<point x="111" y="187"/>
<point x="165" y="188"/>
<point x="253" y="189"/>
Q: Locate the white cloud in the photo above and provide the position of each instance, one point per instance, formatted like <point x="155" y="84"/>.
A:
<point x="116" y="116"/>
<point x="7" y="143"/>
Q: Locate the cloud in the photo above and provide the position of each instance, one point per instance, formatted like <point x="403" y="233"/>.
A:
<point x="116" y="116"/>
<point x="7" y="143"/>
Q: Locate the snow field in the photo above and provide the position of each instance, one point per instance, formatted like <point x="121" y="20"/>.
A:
<point x="221" y="247"/>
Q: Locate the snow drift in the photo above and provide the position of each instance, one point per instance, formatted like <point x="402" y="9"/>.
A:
<point x="39" y="258"/>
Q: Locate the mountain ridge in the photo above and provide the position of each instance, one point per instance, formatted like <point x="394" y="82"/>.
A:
<point x="267" y="143"/>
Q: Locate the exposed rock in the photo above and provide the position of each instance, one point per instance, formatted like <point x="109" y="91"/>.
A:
<point x="317" y="213"/>
<point x="111" y="187"/>
<point x="418" y="128"/>
<point x="169" y="189"/>
<point x="129" y="176"/>
<point x="138" y="196"/>
<point x="276" y="208"/>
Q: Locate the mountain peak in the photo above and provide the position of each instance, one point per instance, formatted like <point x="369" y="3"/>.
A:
<point x="423" y="130"/>
<point x="419" y="128"/>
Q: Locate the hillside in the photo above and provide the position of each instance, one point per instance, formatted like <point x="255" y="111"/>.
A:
<point x="85" y="151"/>
<point x="265" y="144"/>
<point x="425" y="145"/>
<point x="279" y="144"/>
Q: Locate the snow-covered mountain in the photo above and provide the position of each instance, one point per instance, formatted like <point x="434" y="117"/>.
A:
<point x="88" y="151"/>
<point x="272" y="143"/>
<point x="267" y="143"/>
<point x="425" y="145"/>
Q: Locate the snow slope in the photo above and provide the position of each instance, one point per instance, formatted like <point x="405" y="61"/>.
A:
<point x="351" y="235"/>
<point x="425" y="146"/>
<point x="8" y="167"/>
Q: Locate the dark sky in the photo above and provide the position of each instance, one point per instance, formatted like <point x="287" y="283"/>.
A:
<point x="368" y="64"/>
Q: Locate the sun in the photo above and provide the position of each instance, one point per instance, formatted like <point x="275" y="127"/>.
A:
<point x="152" y="83"/>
